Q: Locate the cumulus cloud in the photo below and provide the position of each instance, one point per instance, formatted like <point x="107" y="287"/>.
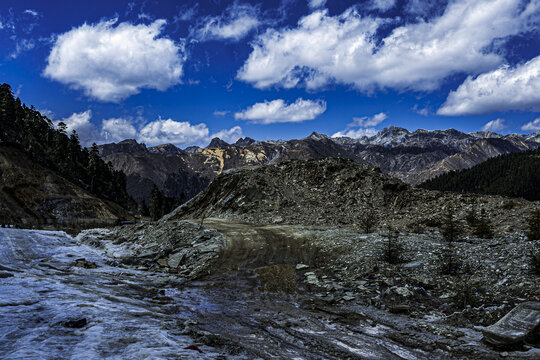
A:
<point x="80" y="122"/>
<point x="229" y="135"/>
<point x="111" y="63"/>
<point x="356" y="133"/>
<point x="366" y="121"/>
<point x="169" y="131"/>
<point x="506" y="88"/>
<point x="383" y="5"/>
<point x="345" y="49"/>
<point x="117" y="129"/>
<point x="362" y="126"/>
<point x="234" y="24"/>
<point x="494" y="125"/>
<point x="315" y="4"/>
<point x="532" y="126"/>
<point x="277" y="111"/>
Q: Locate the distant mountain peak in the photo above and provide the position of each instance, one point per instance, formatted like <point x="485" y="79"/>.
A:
<point x="125" y="146"/>
<point x="165" y="149"/>
<point x="217" y="142"/>
<point x="317" y="136"/>
<point x="245" y="141"/>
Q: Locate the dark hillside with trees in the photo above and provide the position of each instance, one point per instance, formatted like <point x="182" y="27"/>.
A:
<point x="27" y="129"/>
<point x="512" y="175"/>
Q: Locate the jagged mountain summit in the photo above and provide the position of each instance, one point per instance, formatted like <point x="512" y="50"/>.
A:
<point x="410" y="156"/>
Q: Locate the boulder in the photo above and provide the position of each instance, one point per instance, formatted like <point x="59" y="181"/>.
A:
<point x="515" y="326"/>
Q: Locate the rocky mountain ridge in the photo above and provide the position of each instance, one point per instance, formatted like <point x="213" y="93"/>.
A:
<point x="410" y="156"/>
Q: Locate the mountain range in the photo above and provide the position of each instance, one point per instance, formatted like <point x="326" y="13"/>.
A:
<point x="413" y="157"/>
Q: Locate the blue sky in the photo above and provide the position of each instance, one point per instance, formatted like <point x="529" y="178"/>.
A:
<point x="185" y="71"/>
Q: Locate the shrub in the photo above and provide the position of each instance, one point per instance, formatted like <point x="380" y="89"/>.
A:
<point x="535" y="261"/>
<point x="483" y="228"/>
<point x="471" y="217"/>
<point x="533" y="225"/>
<point x="393" y="250"/>
<point x="450" y="228"/>
<point x="466" y="290"/>
<point x="449" y="261"/>
<point x="368" y="221"/>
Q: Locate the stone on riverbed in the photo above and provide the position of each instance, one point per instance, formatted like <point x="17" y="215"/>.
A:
<point x="515" y="326"/>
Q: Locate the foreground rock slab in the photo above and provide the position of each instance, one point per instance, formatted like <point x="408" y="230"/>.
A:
<point x="516" y="326"/>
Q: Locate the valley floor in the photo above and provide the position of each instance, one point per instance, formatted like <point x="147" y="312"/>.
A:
<point x="289" y="291"/>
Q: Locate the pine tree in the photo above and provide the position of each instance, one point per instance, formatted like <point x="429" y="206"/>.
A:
<point x="451" y="228"/>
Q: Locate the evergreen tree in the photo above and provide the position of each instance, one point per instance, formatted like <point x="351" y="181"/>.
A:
<point x="451" y="228"/>
<point x="35" y="134"/>
<point x="483" y="228"/>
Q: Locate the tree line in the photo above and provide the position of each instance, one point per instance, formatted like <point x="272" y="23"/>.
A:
<point x="512" y="175"/>
<point x="26" y="128"/>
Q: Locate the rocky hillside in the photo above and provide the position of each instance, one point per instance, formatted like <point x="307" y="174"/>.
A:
<point x="339" y="191"/>
<point x="31" y="194"/>
<point x="410" y="156"/>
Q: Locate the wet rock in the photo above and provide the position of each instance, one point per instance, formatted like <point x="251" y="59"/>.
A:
<point x="4" y="274"/>
<point x="301" y="266"/>
<point x="75" y="323"/>
<point x="515" y="326"/>
<point x="412" y="265"/>
<point x="175" y="259"/>
<point x="84" y="264"/>
<point x="311" y="278"/>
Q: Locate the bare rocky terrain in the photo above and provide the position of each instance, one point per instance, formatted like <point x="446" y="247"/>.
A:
<point x="284" y="249"/>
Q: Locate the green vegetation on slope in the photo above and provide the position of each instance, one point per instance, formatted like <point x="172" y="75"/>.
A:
<point x="513" y="175"/>
<point x="27" y="129"/>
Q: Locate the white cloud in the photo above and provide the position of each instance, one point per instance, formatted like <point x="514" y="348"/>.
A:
<point x="503" y="89"/>
<point x="229" y="135"/>
<point x="220" y="113"/>
<point x="532" y="126"/>
<point x="22" y="46"/>
<point x="315" y="4"/>
<point x="356" y="133"/>
<point x="117" y="129"/>
<point x="421" y="111"/>
<point x="494" y="125"/>
<point x="344" y="49"/>
<point x="365" y="126"/>
<point x="80" y="122"/>
<point x="234" y="24"/>
<point x="365" y="121"/>
<point x="111" y="63"/>
<point x="277" y="111"/>
<point x="175" y="132"/>
<point x="31" y="12"/>
<point x="382" y="5"/>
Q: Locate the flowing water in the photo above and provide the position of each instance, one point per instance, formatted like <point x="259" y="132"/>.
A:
<point x="125" y="317"/>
